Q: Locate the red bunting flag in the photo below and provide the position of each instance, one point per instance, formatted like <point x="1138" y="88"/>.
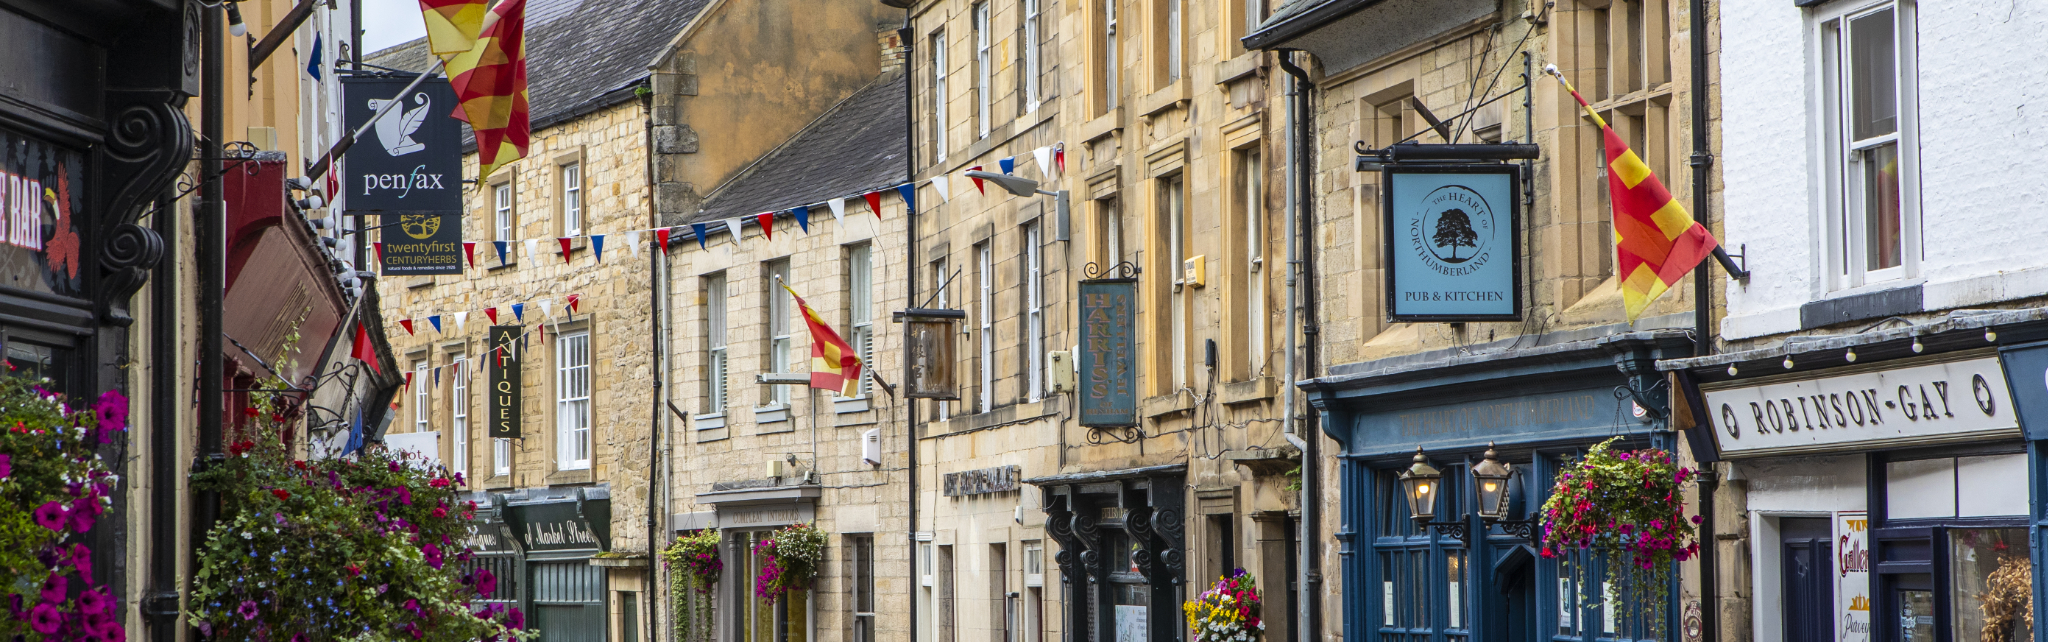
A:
<point x="661" y="239"/>
<point x="365" y="352"/>
<point x="542" y="328"/>
<point x="767" y="221"/>
<point x="1059" y="157"/>
<point x="565" y="247"/>
<point x="380" y="252"/>
<point x="492" y="312"/>
<point x="408" y="379"/>
<point x="874" y="200"/>
<point x="469" y="248"/>
<point x="407" y="324"/>
<point x="573" y="300"/>
<point x="977" y="180"/>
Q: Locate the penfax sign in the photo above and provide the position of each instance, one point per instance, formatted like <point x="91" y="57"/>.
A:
<point x="1914" y="403"/>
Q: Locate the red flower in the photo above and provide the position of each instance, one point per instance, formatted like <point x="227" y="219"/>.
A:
<point x="281" y="494"/>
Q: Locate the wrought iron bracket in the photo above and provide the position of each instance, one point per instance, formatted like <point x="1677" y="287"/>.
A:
<point x="1522" y="529"/>
<point x="1454" y="529"/>
<point x="1120" y="270"/>
<point x="1099" y="435"/>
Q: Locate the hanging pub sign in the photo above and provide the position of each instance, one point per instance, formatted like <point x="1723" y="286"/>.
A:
<point x="929" y="340"/>
<point x="41" y="195"/>
<point x="1453" y="239"/>
<point x="503" y="364"/>
<point x="1109" y="352"/>
<point x="411" y="160"/>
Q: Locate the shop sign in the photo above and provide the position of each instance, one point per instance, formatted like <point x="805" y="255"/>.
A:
<point x="1546" y="415"/>
<point x="1852" y="575"/>
<point x="1109" y="352"/>
<point x="1921" y="404"/>
<point x="41" y="195"/>
<point x="1453" y="242"/>
<point x="564" y="525"/>
<point x="411" y="160"/>
<point x="503" y="363"/>
<point x="981" y="482"/>
<point x="489" y="536"/>
<point x="764" y="516"/>
<point x="420" y="244"/>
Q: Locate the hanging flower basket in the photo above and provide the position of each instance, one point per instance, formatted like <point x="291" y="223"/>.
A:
<point x="693" y="562"/>
<point x="1228" y="611"/>
<point x="53" y="487"/>
<point x="789" y="560"/>
<point x="361" y="547"/>
<point x="1629" y="507"/>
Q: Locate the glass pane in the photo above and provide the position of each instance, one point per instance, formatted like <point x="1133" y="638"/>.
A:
<point x="1992" y="583"/>
<point x="1873" y="76"/>
<point x="1454" y="571"/>
<point x="1881" y="217"/>
<point x="1418" y="590"/>
<point x="1388" y="610"/>
<point x="1916" y="616"/>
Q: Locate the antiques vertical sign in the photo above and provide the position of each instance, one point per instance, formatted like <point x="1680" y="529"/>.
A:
<point x="1109" y="352"/>
<point x="1453" y="242"/>
<point x="503" y="409"/>
<point x="409" y="169"/>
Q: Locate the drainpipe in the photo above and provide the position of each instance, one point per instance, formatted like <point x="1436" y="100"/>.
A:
<point x="658" y="426"/>
<point x="1703" y="291"/>
<point x="160" y="605"/>
<point x="904" y="36"/>
<point x="210" y="254"/>
<point x="1311" y="455"/>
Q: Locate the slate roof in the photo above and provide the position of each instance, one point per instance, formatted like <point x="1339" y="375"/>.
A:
<point x="1299" y="16"/>
<point x="581" y="55"/>
<point x="855" y="147"/>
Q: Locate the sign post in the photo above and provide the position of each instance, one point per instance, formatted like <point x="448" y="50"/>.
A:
<point x="1453" y="242"/>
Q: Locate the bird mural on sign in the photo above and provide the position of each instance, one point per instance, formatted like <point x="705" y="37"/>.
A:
<point x="395" y="129"/>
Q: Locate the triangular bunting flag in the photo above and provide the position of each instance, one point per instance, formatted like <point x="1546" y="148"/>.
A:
<point x="803" y="217"/>
<point x="437" y="377"/>
<point x="436" y="320"/>
<point x="977" y="180"/>
<point x="547" y="307"/>
<point x="767" y="222"/>
<point x="492" y="312"/>
<point x="469" y="249"/>
<point x="532" y="249"/>
<point x="633" y="241"/>
<point x="597" y="246"/>
<point x="565" y="247"/>
<point x="1009" y="164"/>
<point x="733" y="225"/>
<point x="543" y="330"/>
<point x="363" y="351"/>
<point x="700" y="230"/>
<point x="1044" y="157"/>
<point x="838" y="206"/>
<point x="909" y="193"/>
<point x="573" y="300"/>
<point x="939" y="184"/>
<point x="380" y="252"/>
<point x="408" y="381"/>
<point x="519" y="312"/>
<point x="407" y="324"/>
<point x="874" y="200"/>
<point x="1059" y="157"/>
<point x="661" y="239"/>
<point x="461" y="319"/>
<point x="501" y="252"/>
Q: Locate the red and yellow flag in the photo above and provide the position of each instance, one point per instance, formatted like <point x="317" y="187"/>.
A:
<point x="834" y="366"/>
<point x="1655" y="240"/>
<point x="490" y="80"/>
<point x="452" y="25"/>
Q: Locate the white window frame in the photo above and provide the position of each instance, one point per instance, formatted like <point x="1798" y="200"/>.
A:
<point x="1174" y="55"/>
<point x="939" y="116"/>
<point x="458" y="414"/>
<point x="1848" y="249"/>
<point x="572" y="199"/>
<point x="984" y="261"/>
<point x="1172" y="191"/>
<point x="781" y="337"/>
<point x="572" y="401"/>
<point x="717" y="366"/>
<point x="501" y="457"/>
<point x="984" y="70"/>
<point x="1251" y="165"/>
<point x="1034" y="586"/>
<point x="422" y="412"/>
<point x="1034" y="310"/>
<point x="1032" y="53"/>
<point x="502" y="220"/>
<point x="860" y="314"/>
<point x="861" y="548"/>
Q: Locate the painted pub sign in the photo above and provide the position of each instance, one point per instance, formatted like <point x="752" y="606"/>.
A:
<point x="1109" y="352"/>
<point x="1453" y="240"/>
<point x="41" y="195"/>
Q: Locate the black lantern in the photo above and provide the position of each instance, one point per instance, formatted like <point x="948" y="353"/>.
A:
<point x="1421" y="481"/>
<point x="1490" y="477"/>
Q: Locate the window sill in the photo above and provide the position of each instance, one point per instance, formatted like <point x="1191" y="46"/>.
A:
<point x="568" y="477"/>
<point x="1159" y="102"/>
<point x="771" y="414"/>
<point x="509" y="263"/>
<point x="417" y="282"/>
<point x="1240" y="392"/>
<point x="1862" y="304"/>
<point x="1243" y="66"/>
<point x="707" y="422"/>
<point x="1103" y="126"/>
<point x="850" y="405"/>
<point x="1167" y="404"/>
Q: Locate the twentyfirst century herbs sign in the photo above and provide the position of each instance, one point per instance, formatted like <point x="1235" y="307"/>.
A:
<point x="1453" y="242"/>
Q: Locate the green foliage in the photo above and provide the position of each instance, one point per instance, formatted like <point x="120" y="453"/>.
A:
<point x="1293" y="476"/>
<point x="1630" y="507"/>
<point x="693" y="563"/>
<point x="358" y="548"/>
<point x="53" y="488"/>
<point x="789" y="560"/>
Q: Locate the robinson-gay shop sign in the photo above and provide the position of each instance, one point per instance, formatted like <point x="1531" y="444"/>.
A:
<point x="1909" y="403"/>
<point x="1453" y="242"/>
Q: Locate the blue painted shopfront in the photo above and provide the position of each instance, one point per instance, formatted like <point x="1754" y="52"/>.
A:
<point x="1539" y="406"/>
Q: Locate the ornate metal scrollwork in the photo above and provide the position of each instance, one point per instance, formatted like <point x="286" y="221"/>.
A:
<point x="1138" y="522"/>
<point x="1090" y="538"/>
<point x="1121" y="270"/>
<point x="1099" y="435"/>
<point x="150" y="143"/>
<point x="1523" y="529"/>
<point x="1166" y="526"/>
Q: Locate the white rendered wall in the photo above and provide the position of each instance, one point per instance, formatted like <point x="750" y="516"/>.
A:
<point x="1790" y="487"/>
<point x="1983" y="133"/>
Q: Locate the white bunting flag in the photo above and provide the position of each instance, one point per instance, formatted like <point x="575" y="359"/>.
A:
<point x="461" y="318"/>
<point x="547" y="307"/>
<point x="1044" y="157"/>
<point x="838" y="208"/>
<point x="633" y="241"/>
<point x="733" y="225"/>
<point x="532" y="245"/>
<point x="939" y="183"/>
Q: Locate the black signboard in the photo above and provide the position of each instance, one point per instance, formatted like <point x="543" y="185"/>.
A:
<point x="569" y="524"/>
<point x="421" y="243"/>
<point x="411" y="160"/>
<point x="1109" y="352"/>
<point x="503" y="363"/>
<point x="42" y="193"/>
